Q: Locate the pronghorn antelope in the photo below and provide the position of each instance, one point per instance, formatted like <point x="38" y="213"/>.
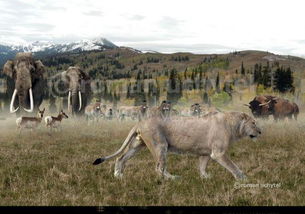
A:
<point x="30" y="122"/>
<point x="55" y="122"/>
<point x="109" y="114"/>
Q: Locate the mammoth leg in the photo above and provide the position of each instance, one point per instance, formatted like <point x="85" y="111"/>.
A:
<point x="120" y="163"/>
<point x="203" y="162"/>
<point x="223" y="160"/>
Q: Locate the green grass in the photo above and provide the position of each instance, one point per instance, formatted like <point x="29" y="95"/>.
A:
<point x="39" y="169"/>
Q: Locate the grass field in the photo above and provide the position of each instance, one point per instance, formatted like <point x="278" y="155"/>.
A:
<point x="39" y="169"/>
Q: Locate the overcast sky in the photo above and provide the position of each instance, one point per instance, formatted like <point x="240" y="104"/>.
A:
<point x="197" y="26"/>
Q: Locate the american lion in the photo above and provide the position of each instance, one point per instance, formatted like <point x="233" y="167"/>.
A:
<point x="207" y="137"/>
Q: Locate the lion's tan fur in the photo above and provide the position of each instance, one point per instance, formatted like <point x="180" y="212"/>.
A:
<point x="207" y="137"/>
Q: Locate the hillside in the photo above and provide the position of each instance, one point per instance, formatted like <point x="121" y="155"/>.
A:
<point x="123" y="61"/>
<point x="123" y="69"/>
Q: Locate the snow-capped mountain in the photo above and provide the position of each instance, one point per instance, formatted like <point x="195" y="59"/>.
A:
<point x="43" y="48"/>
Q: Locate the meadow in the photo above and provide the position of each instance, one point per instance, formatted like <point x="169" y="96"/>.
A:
<point x="38" y="168"/>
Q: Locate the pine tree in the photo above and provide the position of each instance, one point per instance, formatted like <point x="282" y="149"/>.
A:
<point x="217" y="83"/>
<point x="128" y="95"/>
<point x="174" y="90"/>
<point x="257" y="74"/>
<point x="193" y="79"/>
<point x="283" y="80"/>
<point x="242" y="69"/>
<point x="200" y="79"/>
<point x="266" y="76"/>
<point x="205" y="98"/>
<point x="185" y="74"/>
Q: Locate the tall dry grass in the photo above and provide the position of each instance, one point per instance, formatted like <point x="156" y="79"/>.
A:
<point x="41" y="169"/>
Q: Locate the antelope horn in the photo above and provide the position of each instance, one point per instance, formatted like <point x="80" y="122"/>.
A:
<point x="263" y="104"/>
<point x="80" y="100"/>
<point x="69" y="97"/>
<point x="247" y="105"/>
<point x="12" y="110"/>
<point x="31" y="102"/>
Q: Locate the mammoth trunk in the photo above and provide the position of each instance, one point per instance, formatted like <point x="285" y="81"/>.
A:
<point x="75" y="101"/>
<point x="25" y="100"/>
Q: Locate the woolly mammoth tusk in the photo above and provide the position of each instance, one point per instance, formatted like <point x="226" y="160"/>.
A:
<point x="31" y="102"/>
<point x="69" y="97"/>
<point x="80" y="100"/>
<point x="12" y="110"/>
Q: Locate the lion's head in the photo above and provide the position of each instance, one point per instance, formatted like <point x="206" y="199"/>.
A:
<point x="248" y="127"/>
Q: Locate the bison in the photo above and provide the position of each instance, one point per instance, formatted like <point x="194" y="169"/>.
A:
<point x="259" y="106"/>
<point x="282" y="108"/>
<point x="264" y="105"/>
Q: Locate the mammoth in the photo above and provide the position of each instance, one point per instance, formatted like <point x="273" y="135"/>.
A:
<point x="29" y="78"/>
<point x="79" y="90"/>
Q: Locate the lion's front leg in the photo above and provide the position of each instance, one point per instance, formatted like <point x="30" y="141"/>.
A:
<point x="161" y="165"/>
<point x="223" y="160"/>
<point x="203" y="162"/>
<point x="160" y="150"/>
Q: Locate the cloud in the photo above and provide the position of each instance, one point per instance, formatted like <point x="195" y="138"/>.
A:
<point x="137" y="18"/>
<point x="93" y="13"/>
<point x="167" y="22"/>
<point x="162" y="25"/>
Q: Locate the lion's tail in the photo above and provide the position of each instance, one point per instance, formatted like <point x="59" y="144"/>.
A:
<point x="132" y="134"/>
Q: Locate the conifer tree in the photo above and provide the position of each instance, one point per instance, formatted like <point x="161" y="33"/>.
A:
<point x="217" y="83"/>
<point x="242" y="69"/>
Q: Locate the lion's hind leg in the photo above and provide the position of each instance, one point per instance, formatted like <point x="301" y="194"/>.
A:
<point x="130" y="151"/>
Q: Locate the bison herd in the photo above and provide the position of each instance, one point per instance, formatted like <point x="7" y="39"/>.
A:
<point x="264" y="105"/>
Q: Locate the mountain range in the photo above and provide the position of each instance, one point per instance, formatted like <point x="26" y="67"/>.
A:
<point x="45" y="48"/>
